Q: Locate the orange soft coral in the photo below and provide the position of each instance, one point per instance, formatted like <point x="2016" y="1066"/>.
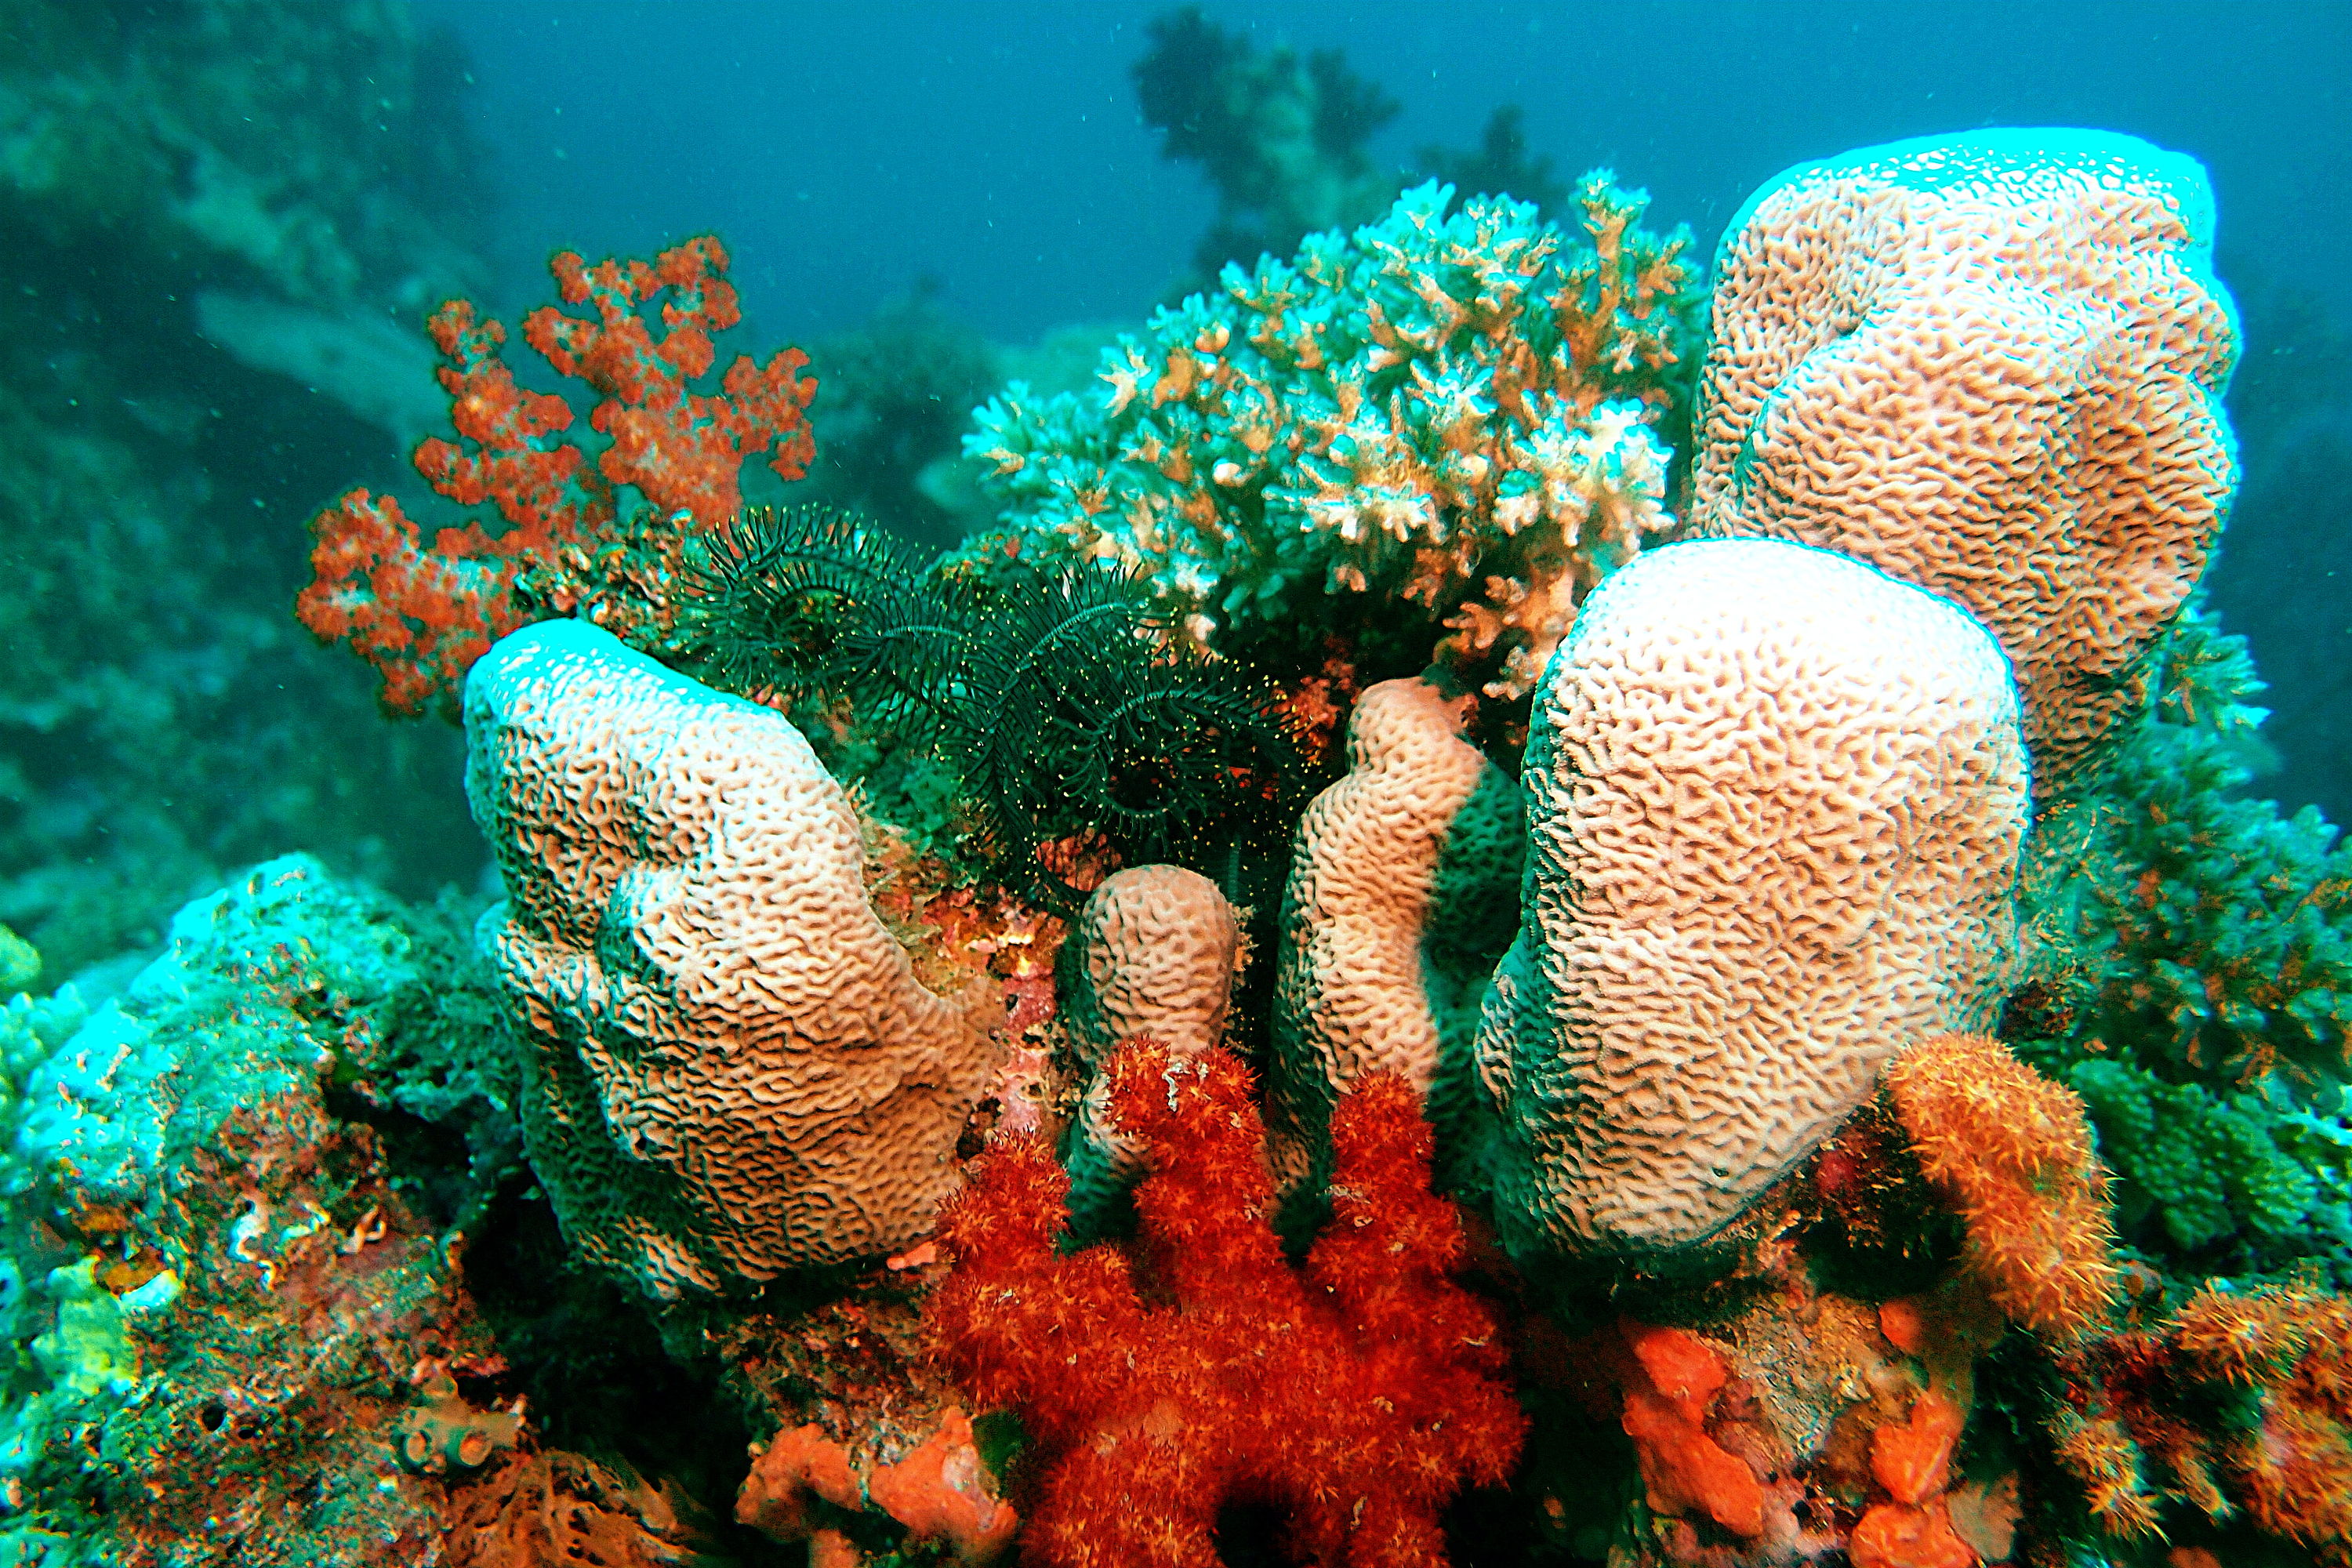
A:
<point x="422" y="616"/>
<point x="2012" y="1152"/>
<point x="2138" y="1428"/>
<point x="1359" y="1392"/>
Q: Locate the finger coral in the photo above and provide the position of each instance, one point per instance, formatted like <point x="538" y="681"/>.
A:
<point x="1357" y="988"/>
<point x="1774" y="805"/>
<point x="1379" y="1396"/>
<point x="2035" y="312"/>
<point x="423" y="616"/>
<point x="1435" y="408"/>
<point x="2179" y="924"/>
<point x="2012" y="1152"/>
<point x="731" y="1066"/>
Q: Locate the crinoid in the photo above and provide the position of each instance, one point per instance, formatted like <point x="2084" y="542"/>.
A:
<point x="1072" y="714"/>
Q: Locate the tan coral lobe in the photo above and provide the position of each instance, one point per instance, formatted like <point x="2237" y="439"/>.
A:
<point x="1156" y="944"/>
<point x="1354" y="993"/>
<point x="730" y="1067"/>
<point x="1774" y="805"/>
<point x="1991" y="365"/>
<point x="1156" y="952"/>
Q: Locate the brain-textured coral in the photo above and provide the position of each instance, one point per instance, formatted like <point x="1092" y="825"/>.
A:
<point x="1432" y="410"/>
<point x="1153" y="959"/>
<point x="1359" y="1419"/>
<point x="1774" y="805"/>
<point x="731" y="1066"/>
<point x="421" y="615"/>
<point x="2035" y="312"/>
<point x="1356" y="989"/>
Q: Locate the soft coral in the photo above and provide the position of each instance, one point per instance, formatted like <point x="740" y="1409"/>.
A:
<point x="422" y="616"/>
<point x="1358" y="1393"/>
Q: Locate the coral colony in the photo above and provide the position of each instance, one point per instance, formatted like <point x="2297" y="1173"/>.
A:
<point x="1512" y="913"/>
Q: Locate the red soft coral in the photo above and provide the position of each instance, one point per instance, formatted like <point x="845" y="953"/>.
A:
<point x="422" y="616"/>
<point x="1358" y="1393"/>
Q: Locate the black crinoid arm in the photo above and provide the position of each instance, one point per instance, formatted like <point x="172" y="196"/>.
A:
<point x="1083" y="729"/>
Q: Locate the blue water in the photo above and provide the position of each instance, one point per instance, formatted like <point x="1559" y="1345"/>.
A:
<point x="846" y="150"/>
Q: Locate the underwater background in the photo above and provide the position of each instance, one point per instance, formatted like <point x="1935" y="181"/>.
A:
<point x="229" y="233"/>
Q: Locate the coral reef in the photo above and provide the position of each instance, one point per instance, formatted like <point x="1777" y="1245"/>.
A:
<point x="222" y="1310"/>
<point x="1380" y="1401"/>
<point x="1738" y="1143"/>
<point x="2043" y="303"/>
<point x="422" y="617"/>
<point x="1359" y="986"/>
<point x="1458" y="412"/>
<point x="1774" y="807"/>
<point x="731" y="1066"/>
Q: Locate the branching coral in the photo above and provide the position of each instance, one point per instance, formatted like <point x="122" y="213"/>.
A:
<point x="423" y="616"/>
<point x="1376" y="1399"/>
<point x="1429" y="410"/>
<point x="2179" y="924"/>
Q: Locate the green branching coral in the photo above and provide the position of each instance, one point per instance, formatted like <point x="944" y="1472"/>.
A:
<point x="2180" y="924"/>
<point x="1077" y="727"/>
<point x="1470" y="413"/>
<point x="2212" y="1168"/>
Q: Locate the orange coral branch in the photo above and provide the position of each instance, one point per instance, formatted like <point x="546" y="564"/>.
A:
<point x="2011" y="1152"/>
<point x="421" y="617"/>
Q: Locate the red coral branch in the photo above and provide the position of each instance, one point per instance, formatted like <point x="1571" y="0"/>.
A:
<point x="1360" y="1392"/>
<point x="423" y="617"/>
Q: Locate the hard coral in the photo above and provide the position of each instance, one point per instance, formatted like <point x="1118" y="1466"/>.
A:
<point x="1357" y="1394"/>
<point x="1436" y="407"/>
<point x="731" y="1068"/>
<point x="1356" y="988"/>
<point x="2011" y="1152"/>
<point x="2036" y="312"/>
<point x="1774" y="803"/>
<point x="244" y="1292"/>
<point x="422" y="616"/>
<point x="2180" y="924"/>
<point x="1155" y="960"/>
